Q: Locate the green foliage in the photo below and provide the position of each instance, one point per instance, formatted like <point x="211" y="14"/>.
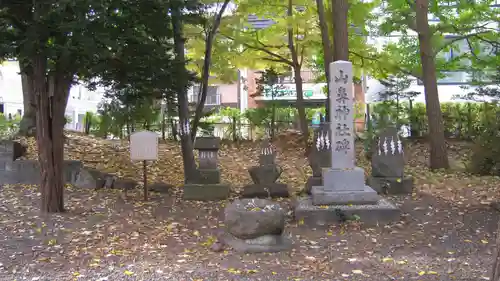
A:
<point x="461" y="120"/>
<point x="9" y="126"/>
<point x="485" y="156"/>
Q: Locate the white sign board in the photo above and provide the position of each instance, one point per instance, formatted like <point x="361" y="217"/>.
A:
<point x="144" y="146"/>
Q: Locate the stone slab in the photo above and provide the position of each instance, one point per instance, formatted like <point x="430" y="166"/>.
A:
<point x="344" y="179"/>
<point x="206" y="192"/>
<point x="274" y="190"/>
<point x="391" y="185"/>
<point x="383" y="212"/>
<point x="312" y="181"/>
<point x="323" y="196"/>
<point x="209" y="176"/>
<point x="28" y="171"/>
<point x="262" y="244"/>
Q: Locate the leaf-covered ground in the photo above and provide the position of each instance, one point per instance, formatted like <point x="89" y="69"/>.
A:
<point x="446" y="231"/>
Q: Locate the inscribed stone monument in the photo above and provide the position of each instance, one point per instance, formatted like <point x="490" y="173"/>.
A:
<point x="388" y="164"/>
<point x="343" y="192"/>
<point x="206" y="185"/>
<point x="265" y="175"/>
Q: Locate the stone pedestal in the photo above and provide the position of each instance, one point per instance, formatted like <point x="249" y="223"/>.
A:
<point x="394" y="186"/>
<point x="382" y="212"/>
<point x="272" y="190"/>
<point x="209" y="176"/>
<point x="312" y="181"/>
<point x="206" y="192"/>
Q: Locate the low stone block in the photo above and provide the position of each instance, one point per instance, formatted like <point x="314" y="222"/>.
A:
<point x="125" y="184"/>
<point x="348" y="179"/>
<point x="312" y="181"/>
<point x="89" y="179"/>
<point x="262" y="244"/>
<point x="391" y="185"/>
<point x="206" y="192"/>
<point x="324" y="196"/>
<point x="383" y="212"/>
<point x="274" y="190"/>
<point x="209" y="176"/>
<point x="160" y="187"/>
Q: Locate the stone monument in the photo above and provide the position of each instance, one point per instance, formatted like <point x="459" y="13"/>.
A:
<point x="320" y="156"/>
<point x="207" y="185"/>
<point x="388" y="165"/>
<point x="265" y="175"/>
<point x="343" y="193"/>
<point x="255" y="225"/>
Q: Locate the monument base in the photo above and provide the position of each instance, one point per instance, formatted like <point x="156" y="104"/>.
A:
<point x="391" y="185"/>
<point x="322" y="195"/>
<point x="262" y="244"/>
<point x="206" y="192"/>
<point x="272" y="190"/>
<point x="380" y="213"/>
<point x="209" y="176"/>
<point x="312" y="181"/>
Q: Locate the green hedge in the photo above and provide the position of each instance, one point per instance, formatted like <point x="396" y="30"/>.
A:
<point x="461" y="120"/>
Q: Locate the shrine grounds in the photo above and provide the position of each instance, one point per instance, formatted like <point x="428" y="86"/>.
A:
<point x="446" y="232"/>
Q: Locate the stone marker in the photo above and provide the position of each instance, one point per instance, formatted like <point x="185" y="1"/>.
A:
<point x="320" y="155"/>
<point x="255" y="225"/>
<point x="343" y="193"/>
<point x="265" y="175"/>
<point x="207" y="184"/>
<point x="388" y="165"/>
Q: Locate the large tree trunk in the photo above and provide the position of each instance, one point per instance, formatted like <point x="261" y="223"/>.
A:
<point x="28" y="123"/>
<point x="51" y="93"/>
<point x="495" y="275"/>
<point x="439" y="155"/>
<point x="190" y="170"/>
<point x="325" y="40"/>
<point x="209" y="42"/>
<point x="297" y="65"/>
<point x="340" y="9"/>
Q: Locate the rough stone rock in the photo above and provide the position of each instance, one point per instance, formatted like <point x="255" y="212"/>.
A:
<point x="252" y="218"/>
<point x="89" y="178"/>
<point x="265" y="174"/>
<point x="124" y="184"/>
<point x="160" y="187"/>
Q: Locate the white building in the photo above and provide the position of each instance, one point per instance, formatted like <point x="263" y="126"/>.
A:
<point x="449" y="86"/>
<point x="80" y="100"/>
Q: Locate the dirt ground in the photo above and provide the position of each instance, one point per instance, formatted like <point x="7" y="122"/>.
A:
<point x="447" y="232"/>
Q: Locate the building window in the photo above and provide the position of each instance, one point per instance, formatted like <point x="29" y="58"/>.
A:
<point x="2" y="108"/>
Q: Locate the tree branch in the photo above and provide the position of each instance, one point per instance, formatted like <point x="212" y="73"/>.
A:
<point x="405" y="71"/>
<point x="277" y="57"/>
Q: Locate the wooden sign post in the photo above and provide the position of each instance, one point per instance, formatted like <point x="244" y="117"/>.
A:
<point x="144" y="147"/>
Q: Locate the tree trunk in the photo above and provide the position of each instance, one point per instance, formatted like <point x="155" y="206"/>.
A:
<point x="190" y="170"/>
<point x="495" y="275"/>
<point x="439" y="155"/>
<point x="51" y="94"/>
<point x="298" y="78"/>
<point x="27" y="126"/>
<point x="340" y="9"/>
<point x="209" y="42"/>
<point x="325" y="40"/>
